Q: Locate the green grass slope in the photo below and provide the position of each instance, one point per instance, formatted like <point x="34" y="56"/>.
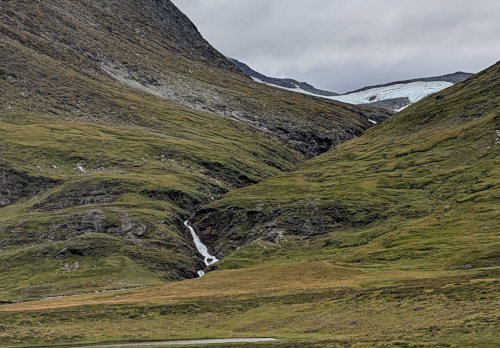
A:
<point x="421" y="190"/>
<point x="98" y="191"/>
<point x="61" y="57"/>
<point x="389" y="240"/>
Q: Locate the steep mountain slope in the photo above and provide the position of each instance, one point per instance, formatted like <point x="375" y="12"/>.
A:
<point x="422" y="187"/>
<point x="393" y="96"/>
<point x="117" y="119"/>
<point x="149" y="45"/>
<point x="389" y="240"/>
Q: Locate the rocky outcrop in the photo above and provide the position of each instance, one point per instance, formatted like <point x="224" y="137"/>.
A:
<point x="83" y="192"/>
<point x="228" y="228"/>
<point x="15" y="185"/>
<point x="96" y="221"/>
<point x="113" y="222"/>
<point x="391" y="104"/>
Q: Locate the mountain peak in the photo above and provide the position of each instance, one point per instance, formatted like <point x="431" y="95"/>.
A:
<point x="104" y="30"/>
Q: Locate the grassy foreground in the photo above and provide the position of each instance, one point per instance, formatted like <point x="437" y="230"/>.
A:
<point x="307" y="301"/>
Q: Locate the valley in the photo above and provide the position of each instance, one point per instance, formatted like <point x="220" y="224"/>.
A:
<point x="113" y="167"/>
<point x="152" y="192"/>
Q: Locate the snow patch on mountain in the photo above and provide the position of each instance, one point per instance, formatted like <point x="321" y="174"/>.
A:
<point x="414" y="91"/>
<point x="295" y="89"/>
<point x="394" y="96"/>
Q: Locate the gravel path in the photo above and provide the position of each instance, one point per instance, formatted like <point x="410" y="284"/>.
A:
<point x="182" y="342"/>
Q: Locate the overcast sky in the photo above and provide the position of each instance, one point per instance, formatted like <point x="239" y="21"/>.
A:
<point x="341" y="45"/>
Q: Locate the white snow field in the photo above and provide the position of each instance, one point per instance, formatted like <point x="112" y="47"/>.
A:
<point x="414" y="91"/>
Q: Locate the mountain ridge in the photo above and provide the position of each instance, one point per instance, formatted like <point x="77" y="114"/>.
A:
<point x="281" y="82"/>
<point x="392" y="103"/>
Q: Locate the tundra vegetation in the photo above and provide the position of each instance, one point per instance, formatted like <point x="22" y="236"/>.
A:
<point x="118" y="122"/>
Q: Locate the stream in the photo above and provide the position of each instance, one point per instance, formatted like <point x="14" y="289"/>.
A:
<point x="202" y="249"/>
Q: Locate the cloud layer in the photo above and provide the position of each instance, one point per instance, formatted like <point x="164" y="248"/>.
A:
<point x="343" y="45"/>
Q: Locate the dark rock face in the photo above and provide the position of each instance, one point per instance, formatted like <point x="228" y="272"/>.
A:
<point x="82" y="193"/>
<point x="76" y="225"/>
<point x="228" y="228"/>
<point x="182" y="33"/>
<point x="95" y="221"/>
<point x="15" y="185"/>
<point x="391" y="104"/>
<point x="226" y="231"/>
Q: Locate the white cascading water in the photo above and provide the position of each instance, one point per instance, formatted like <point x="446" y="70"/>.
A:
<point x="202" y="249"/>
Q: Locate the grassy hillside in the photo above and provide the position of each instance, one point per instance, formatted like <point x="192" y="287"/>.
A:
<point x="63" y="57"/>
<point x="422" y="187"/>
<point x="389" y="240"/>
<point x="99" y="192"/>
<point x="117" y="119"/>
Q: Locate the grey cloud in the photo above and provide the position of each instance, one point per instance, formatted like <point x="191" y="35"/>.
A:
<point x="343" y="45"/>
